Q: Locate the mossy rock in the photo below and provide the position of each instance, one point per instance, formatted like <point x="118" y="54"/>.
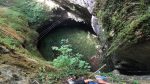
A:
<point x="129" y="20"/>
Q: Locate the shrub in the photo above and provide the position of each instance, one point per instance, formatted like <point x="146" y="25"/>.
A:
<point x="67" y="59"/>
<point x="67" y="63"/>
<point x="36" y="13"/>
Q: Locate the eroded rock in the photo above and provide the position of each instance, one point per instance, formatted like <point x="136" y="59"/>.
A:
<point x="3" y="50"/>
<point x="12" y="75"/>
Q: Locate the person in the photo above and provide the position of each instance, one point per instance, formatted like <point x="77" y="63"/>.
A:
<point x="100" y="80"/>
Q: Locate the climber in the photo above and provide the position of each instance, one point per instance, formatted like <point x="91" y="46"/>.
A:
<point x="100" y="80"/>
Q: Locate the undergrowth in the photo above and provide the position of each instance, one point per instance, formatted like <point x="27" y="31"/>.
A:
<point x="10" y="42"/>
<point x="118" y="79"/>
<point x="36" y="13"/>
<point x="68" y="64"/>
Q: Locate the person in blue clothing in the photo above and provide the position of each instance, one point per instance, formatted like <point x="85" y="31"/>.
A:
<point x="100" y="80"/>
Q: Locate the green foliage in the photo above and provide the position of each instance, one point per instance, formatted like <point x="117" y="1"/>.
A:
<point x="36" y="12"/>
<point x="9" y="41"/>
<point x="58" y="77"/>
<point x="135" y="82"/>
<point x="13" y="19"/>
<point x="68" y="64"/>
<point x="118" y="79"/>
<point x="67" y="59"/>
<point x="64" y="49"/>
<point x="15" y="23"/>
<point x="81" y="41"/>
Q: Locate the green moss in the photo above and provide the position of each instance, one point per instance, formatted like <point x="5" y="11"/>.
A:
<point x="10" y="42"/>
<point x="15" y="24"/>
<point x="13" y="19"/>
<point x="36" y="13"/>
<point x="126" y="37"/>
<point x="125" y="18"/>
<point x="10" y="19"/>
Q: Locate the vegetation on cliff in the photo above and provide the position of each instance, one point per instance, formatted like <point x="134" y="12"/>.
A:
<point x="18" y="39"/>
<point x="126" y="23"/>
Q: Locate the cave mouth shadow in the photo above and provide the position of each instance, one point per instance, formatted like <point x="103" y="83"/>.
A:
<point x="69" y="23"/>
<point x="133" y="60"/>
<point x="134" y="71"/>
<point x="132" y="68"/>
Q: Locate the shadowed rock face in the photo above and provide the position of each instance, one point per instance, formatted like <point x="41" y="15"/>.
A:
<point x="137" y="56"/>
<point x="89" y="4"/>
<point x="139" y="52"/>
<point x="76" y="9"/>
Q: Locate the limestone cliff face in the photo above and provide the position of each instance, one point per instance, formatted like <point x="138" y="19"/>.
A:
<point x="127" y="28"/>
<point x="79" y="10"/>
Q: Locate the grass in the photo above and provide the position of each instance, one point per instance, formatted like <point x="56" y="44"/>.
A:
<point x="15" y="20"/>
<point x="15" y="25"/>
<point x="15" y="32"/>
<point x="10" y="42"/>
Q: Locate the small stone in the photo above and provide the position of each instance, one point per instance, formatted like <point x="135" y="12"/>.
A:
<point x="112" y="33"/>
<point x="16" y="77"/>
<point x="3" y="49"/>
<point x="116" y="72"/>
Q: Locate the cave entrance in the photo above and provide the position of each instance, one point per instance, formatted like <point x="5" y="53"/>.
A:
<point x="132" y="60"/>
<point x="79" y="34"/>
